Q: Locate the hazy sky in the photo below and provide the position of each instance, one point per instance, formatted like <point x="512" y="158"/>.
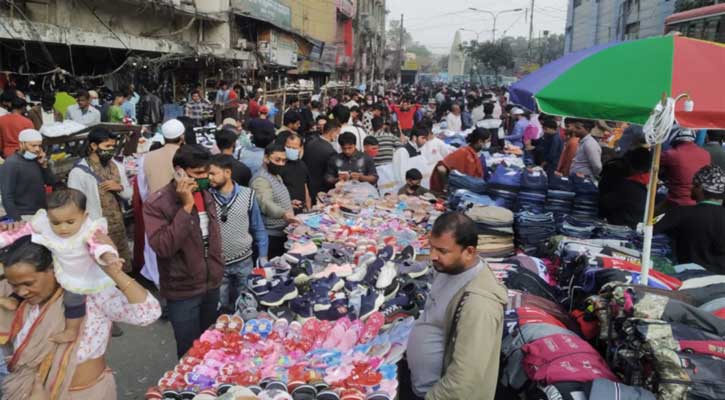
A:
<point x="434" y="22"/>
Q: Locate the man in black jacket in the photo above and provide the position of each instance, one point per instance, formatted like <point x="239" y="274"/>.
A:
<point x="319" y="149"/>
<point x="699" y="230"/>
<point x="623" y="188"/>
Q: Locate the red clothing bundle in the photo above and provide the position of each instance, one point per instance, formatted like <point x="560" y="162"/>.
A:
<point x="564" y="358"/>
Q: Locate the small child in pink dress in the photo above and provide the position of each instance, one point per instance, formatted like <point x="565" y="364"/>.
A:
<point x="68" y="233"/>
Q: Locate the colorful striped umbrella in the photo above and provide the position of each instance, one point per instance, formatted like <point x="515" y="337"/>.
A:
<point x="623" y="81"/>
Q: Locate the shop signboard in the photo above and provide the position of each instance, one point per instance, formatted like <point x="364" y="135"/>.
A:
<point x="271" y="11"/>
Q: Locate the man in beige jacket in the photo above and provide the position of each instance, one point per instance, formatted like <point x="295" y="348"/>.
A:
<point x="454" y="349"/>
<point x="157" y="165"/>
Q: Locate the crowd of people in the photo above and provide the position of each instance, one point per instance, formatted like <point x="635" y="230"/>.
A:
<point x="209" y="214"/>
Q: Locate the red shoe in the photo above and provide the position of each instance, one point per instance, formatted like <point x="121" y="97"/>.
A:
<point x="352" y="394"/>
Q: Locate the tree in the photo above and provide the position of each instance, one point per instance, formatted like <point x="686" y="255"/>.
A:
<point x="392" y="36"/>
<point x="493" y="58"/>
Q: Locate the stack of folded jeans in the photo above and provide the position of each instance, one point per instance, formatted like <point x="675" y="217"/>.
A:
<point x="534" y="184"/>
<point x="661" y="246"/>
<point x="534" y="230"/>
<point x="609" y="231"/>
<point x="463" y="199"/>
<point x="457" y="180"/>
<point x="504" y="186"/>
<point x="586" y="201"/>
<point x="495" y="230"/>
<point x="578" y="227"/>
<point x="560" y="196"/>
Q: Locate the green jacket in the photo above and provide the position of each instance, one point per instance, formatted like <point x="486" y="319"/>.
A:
<point x="471" y="358"/>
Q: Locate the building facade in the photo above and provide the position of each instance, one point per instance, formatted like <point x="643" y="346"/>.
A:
<point x="593" y="22"/>
<point x="370" y="41"/>
<point x="211" y="40"/>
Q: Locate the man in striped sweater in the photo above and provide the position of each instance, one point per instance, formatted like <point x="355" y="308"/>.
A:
<point x="242" y="227"/>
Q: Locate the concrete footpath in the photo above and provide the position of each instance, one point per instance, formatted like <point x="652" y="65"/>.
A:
<point x="140" y="357"/>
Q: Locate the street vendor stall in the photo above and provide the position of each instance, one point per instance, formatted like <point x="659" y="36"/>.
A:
<point x="333" y="314"/>
<point x="65" y="150"/>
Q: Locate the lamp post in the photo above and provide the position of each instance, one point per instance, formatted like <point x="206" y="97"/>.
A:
<point x="478" y="34"/>
<point x="495" y="16"/>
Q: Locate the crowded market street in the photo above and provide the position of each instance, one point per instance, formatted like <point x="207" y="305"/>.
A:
<point x="362" y="200"/>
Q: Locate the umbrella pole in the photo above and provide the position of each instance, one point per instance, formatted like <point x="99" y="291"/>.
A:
<point x="649" y="216"/>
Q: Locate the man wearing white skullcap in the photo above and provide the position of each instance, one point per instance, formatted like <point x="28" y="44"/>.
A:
<point x="24" y="177"/>
<point x="157" y="164"/>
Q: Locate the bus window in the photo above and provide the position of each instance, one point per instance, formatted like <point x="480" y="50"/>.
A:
<point x="710" y="29"/>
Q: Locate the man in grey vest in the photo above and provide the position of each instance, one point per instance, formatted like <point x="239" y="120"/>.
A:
<point x="241" y="226"/>
<point x="273" y="197"/>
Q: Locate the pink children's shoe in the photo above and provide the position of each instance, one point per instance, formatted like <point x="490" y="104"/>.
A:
<point x="373" y="324"/>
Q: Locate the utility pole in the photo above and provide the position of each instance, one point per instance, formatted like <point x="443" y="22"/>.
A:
<point x="531" y="26"/>
<point x="400" y="50"/>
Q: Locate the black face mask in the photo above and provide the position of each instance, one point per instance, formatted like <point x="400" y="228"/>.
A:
<point x="274" y="169"/>
<point x="105" y="156"/>
<point x="414" y="187"/>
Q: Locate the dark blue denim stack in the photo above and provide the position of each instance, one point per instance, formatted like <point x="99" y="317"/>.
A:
<point x="534" y="185"/>
<point x="560" y="196"/>
<point x="504" y="185"/>
<point x="578" y="227"/>
<point x="463" y="199"/>
<point x="586" y="201"/>
<point x="457" y="180"/>
<point x="533" y="230"/>
<point x="661" y="246"/>
<point x="619" y="232"/>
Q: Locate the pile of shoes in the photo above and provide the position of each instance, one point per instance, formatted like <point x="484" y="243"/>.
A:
<point x="399" y="221"/>
<point x="277" y="359"/>
<point x="495" y="230"/>
<point x="333" y="281"/>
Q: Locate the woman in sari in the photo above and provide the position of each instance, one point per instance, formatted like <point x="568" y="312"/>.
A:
<point x="465" y="160"/>
<point x="66" y="371"/>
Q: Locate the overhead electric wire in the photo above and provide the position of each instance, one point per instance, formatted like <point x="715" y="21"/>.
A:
<point x="105" y="25"/>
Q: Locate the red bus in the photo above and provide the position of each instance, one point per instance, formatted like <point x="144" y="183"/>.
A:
<point x="707" y="23"/>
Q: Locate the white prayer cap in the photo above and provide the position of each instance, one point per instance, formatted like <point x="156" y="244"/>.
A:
<point x="30" y="135"/>
<point x="172" y="129"/>
<point x="516" y="111"/>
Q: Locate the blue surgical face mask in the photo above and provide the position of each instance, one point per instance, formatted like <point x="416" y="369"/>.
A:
<point x="292" y="154"/>
<point x="29" y="156"/>
<point x="95" y="102"/>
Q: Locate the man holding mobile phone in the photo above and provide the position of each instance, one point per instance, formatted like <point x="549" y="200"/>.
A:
<point x="183" y="230"/>
<point x="351" y="164"/>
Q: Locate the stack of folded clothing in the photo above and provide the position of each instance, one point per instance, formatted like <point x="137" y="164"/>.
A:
<point x="560" y="196"/>
<point x="463" y="199"/>
<point x="495" y="230"/>
<point x="457" y="180"/>
<point x="534" y="230"/>
<point x="581" y="227"/>
<point x="534" y="185"/>
<point x="609" y="231"/>
<point x="504" y="186"/>
<point x="586" y="202"/>
<point x="661" y="246"/>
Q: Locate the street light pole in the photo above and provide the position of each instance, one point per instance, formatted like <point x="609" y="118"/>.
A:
<point x="478" y="34"/>
<point x="495" y="16"/>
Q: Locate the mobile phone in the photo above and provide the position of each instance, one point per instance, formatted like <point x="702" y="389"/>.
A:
<point x="180" y="175"/>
